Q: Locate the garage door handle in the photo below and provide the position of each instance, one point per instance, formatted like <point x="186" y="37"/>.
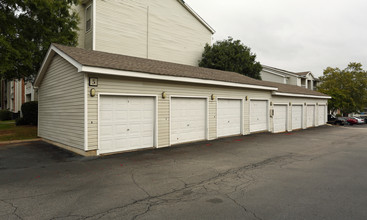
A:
<point x="188" y="125"/>
<point x="228" y="121"/>
<point x="127" y="129"/>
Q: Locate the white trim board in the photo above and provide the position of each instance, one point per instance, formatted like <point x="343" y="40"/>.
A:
<point x="300" y="95"/>
<point x="107" y="71"/>
<point x="49" y="56"/>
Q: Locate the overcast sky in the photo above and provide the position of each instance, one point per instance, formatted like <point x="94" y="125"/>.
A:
<point x="296" y="35"/>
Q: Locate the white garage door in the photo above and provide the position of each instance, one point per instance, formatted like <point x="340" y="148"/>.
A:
<point x="296" y="117"/>
<point x="258" y="116"/>
<point x="280" y="118"/>
<point x="229" y="117"/>
<point x="188" y="120"/>
<point x="126" y="123"/>
<point x="322" y="116"/>
<point x="310" y="116"/>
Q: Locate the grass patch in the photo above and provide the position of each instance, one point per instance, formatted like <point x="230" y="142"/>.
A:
<point x="10" y="132"/>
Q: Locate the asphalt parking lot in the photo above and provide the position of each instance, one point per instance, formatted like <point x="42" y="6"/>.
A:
<point x="318" y="173"/>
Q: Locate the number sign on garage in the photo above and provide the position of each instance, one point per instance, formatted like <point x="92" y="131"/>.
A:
<point x="126" y="123"/>
<point x="297" y="117"/>
<point x="188" y="119"/>
<point x="258" y="115"/>
<point x="310" y="116"/>
<point x="229" y="117"/>
<point x="280" y="118"/>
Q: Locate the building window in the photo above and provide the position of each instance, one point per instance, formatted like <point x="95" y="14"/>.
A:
<point x="88" y="18"/>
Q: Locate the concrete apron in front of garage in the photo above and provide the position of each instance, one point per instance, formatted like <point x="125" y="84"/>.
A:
<point x="317" y="173"/>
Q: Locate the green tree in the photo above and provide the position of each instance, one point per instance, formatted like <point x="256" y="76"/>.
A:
<point x="27" y="28"/>
<point x="231" y="55"/>
<point x="348" y="88"/>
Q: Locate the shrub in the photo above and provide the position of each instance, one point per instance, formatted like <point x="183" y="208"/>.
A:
<point x="5" y="115"/>
<point x="30" y="112"/>
<point x="20" y="121"/>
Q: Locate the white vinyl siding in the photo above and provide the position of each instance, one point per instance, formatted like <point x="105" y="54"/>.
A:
<point x="124" y="85"/>
<point x="61" y="104"/>
<point x="157" y="29"/>
<point x="271" y="77"/>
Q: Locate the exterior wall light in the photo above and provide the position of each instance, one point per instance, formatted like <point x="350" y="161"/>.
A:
<point x="305" y="104"/>
<point x="290" y="103"/>
<point x="246" y="98"/>
<point x="271" y="103"/>
<point x="164" y="95"/>
<point x="212" y="97"/>
<point x="92" y="92"/>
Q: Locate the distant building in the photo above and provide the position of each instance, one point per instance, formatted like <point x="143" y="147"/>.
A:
<point x="13" y="93"/>
<point x="302" y="79"/>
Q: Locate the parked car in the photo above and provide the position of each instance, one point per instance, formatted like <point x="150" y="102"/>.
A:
<point x="365" y="119"/>
<point x="351" y="121"/>
<point x="336" y="120"/>
<point x="359" y="120"/>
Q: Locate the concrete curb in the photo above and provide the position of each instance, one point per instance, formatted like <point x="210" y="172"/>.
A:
<point x="19" y="141"/>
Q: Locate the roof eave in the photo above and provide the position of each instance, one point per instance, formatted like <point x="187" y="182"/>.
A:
<point x="108" y="71"/>
<point x="197" y="16"/>
<point x="47" y="60"/>
<point x="300" y="95"/>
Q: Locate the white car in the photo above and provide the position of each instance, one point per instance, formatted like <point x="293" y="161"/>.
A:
<point x="359" y="120"/>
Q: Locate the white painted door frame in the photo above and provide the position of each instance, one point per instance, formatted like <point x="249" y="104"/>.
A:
<point x="242" y="112"/>
<point x="189" y="97"/>
<point x="155" y="135"/>
<point x="267" y="112"/>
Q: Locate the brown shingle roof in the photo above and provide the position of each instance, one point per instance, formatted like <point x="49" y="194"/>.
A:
<point x="128" y="63"/>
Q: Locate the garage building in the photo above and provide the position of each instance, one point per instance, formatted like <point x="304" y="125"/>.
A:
<point x="97" y="103"/>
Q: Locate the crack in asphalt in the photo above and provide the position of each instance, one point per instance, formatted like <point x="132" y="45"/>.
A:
<point x="136" y="184"/>
<point x="243" y="207"/>
<point x="13" y="206"/>
<point x="149" y="199"/>
<point x="201" y="183"/>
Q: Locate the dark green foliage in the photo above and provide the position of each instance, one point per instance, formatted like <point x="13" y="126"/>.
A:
<point x="5" y="115"/>
<point x="231" y="55"/>
<point x="30" y="112"/>
<point x="27" y="28"/>
<point x="348" y="88"/>
<point x="20" y="121"/>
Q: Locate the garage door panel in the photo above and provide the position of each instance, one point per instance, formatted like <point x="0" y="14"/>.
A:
<point x="188" y="119"/>
<point x="229" y="117"/>
<point x="126" y="123"/>
<point x="258" y="115"/>
<point x="310" y="115"/>
<point x="322" y="119"/>
<point x="280" y="118"/>
<point x="297" y="117"/>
